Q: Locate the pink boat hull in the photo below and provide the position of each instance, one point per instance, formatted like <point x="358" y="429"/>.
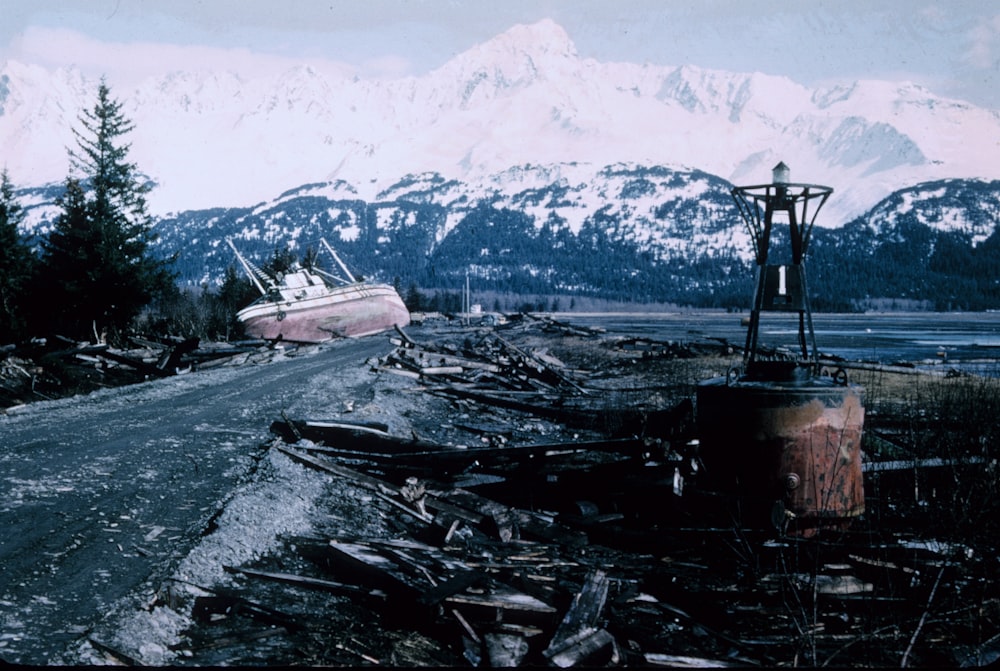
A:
<point x="348" y="312"/>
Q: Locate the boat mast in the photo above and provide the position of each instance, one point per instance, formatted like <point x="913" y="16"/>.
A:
<point x="337" y="259"/>
<point x="250" y="269"/>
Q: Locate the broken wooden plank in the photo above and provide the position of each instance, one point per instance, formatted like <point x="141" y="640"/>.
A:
<point x="371" y="442"/>
<point x="405" y="507"/>
<point x="170" y="361"/>
<point x="542" y="367"/>
<point x="308" y="582"/>
<point x="689" y="662"/>
<point x="385" y="567"/>
<point x="239" y="640"/>
<point x="512" y="523"/>
<point x="449" y="512"/>
<point x="578" y="649"/>
<point x="428" y="577"/>
<point x="502" y="598"/>
<point x="584" y="612"/>
<point x="361" y="436"/>
<point x="442" y="370"/>
<point x="225" y="602"/>
<point x="414" y="375"/>
<point x="457" y="583"/>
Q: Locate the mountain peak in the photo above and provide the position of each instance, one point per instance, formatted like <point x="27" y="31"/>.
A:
<point x="523" y="96"/>
<point x="544" y="37"/>
<point x="525" y="47"/>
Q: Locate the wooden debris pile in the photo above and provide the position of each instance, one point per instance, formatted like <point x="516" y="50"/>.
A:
<point x="495" y="584"/>
<point x="57" y="367"/>
<point x="495" y="372"/>
<point x="492" y="361"/>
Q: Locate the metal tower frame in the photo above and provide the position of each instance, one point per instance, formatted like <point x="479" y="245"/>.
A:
<point x="780" y="288"/>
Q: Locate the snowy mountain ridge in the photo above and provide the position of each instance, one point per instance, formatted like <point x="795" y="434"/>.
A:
<point x="659" y="234"/>
<point x="520" y="108"/>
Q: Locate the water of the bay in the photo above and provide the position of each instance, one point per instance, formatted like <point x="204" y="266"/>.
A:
<point x="967" y="341"/>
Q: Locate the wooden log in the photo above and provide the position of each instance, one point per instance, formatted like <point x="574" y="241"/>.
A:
<point x="402" y="373"/>
<point x="402" y="334"/>
<point x="360" y="479"/>
<point x="310" y="583"/>
<point x="465" y="363"/>
<point x="442" y="370"/>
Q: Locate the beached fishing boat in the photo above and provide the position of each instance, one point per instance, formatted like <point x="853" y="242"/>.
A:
<point x="312" y="305"/>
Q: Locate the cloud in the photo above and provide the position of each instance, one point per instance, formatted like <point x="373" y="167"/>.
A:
<point x="984" y="39"/>
<point x="127" y="63"/>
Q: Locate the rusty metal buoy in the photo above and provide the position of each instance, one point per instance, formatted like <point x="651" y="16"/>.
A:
<point x="778" y="434"/>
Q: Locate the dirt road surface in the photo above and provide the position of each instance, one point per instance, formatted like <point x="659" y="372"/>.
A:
<point x="105" y="495"/>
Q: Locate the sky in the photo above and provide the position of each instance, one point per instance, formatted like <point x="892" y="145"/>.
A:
<point x="951" y="47"/>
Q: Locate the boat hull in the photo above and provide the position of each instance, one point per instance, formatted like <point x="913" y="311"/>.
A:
<point x="352" y="311"/>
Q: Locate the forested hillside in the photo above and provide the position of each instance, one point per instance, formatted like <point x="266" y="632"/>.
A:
<point x="627" y="234"/>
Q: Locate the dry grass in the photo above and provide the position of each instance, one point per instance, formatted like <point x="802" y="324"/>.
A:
<point x="920" y="417"/>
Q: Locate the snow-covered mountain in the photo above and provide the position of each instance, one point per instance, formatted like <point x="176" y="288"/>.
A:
<point x="661" y="235"/>
<point x="519" y="108"/>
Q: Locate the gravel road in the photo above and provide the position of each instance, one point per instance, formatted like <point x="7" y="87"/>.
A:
<point x="106" y="495"/>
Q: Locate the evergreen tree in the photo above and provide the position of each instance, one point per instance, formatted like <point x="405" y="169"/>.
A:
<point x="234" y="294"/>
<point x="16" y="261"/>
<point x="97" y="257"/>
<point x="282" y="260"/>
<point x="414" y="301"/>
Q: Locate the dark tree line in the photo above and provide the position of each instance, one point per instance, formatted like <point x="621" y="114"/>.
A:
<point x="16" y="265"/>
